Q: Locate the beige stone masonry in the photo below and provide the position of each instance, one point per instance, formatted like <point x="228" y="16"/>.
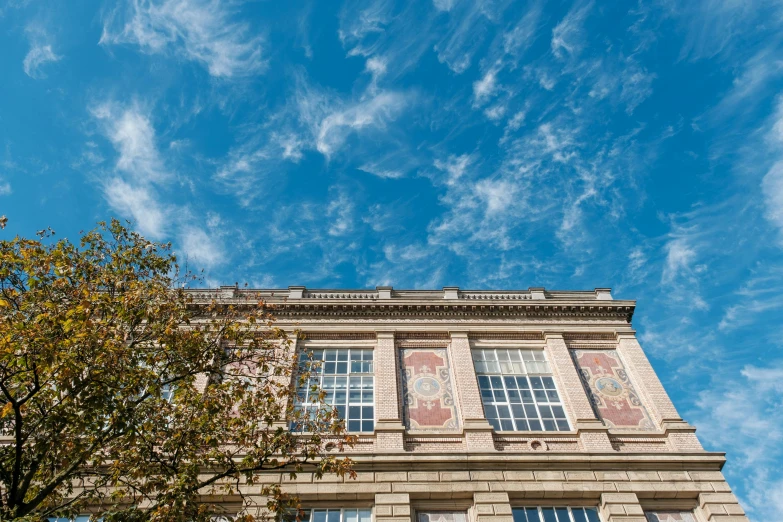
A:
<point x="593" y="434"/>
<point x="492" y="507"/>
<point x="478" y="432"/>
<point x="646" y="381"/>
<point x="721" y="507"/>
<point x="285" y="380"/>
<point x="680" y="434"/>
<point x="388" y="421"/>
<point x="394" y="507"/>
<point x="621" y="507"/>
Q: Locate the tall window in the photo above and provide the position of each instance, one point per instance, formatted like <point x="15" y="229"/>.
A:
<point x="339" y="515"/>
<point x="346" y="375"/>
<point x="518" y="391"/>
<point x="556" y="514"/>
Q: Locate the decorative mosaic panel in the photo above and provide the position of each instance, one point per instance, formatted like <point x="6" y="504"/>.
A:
<point x="611" y="391"/>
<point x="428" y="396"/>
<point x="670" y="516"/>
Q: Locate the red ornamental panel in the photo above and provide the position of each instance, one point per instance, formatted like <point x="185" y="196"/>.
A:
<point x="428" y="397"/>
<point x="670" y="516"/>
<point x="611" y="391"/>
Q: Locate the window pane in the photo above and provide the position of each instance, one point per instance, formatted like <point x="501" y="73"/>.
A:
<point x="592" y="515"/>
<point x="579" y="515"/>
<point x="562" y="515"/>
<point x="549" y="514"/>
<point x="345" y="382"/>
<point x="504" y="388"/>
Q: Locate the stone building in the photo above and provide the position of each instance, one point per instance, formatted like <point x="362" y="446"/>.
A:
<point x="498" y="406"/>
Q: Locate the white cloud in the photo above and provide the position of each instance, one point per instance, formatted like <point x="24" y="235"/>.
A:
<point x="200" y="30"/>
<point x="340" y="210"/>
<point x="443" y="5"/>
<point x="140" y="203"/>
<point x="637" y="260"/>
<point x="372" y="114"/>
<point x="133" y="136"/>
<point x="291" y="144"/>
<point x="498" y="195"/>
<point x="484" y="88"/>
<point x="376" y="66"/>
<point x="759" y="297"/>
<point x="454" y="166"/>
<point x="495" y="112"/>
<point x="36" y="57"/>
<point x="743" y="414"/>
<point x="718" y="27"/>
<point x="522" y="35"/>
<point x="466" y="29"/>
<point x="200" y="247"/>
<point x="5" y="188"/>
<point x="680" y="257"/>
<point x="393" y="165"/>
<point x="568" y="34"/>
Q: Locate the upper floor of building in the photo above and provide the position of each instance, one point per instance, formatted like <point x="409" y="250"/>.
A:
<point x="511" y="372"/>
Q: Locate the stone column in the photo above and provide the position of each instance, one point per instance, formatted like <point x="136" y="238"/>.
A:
<point x="653" y="395"/>
<point x="392" y="507"/>
<point x="621" y="507"/>
<point x="389" y="429"/>
<point x="492" y="507"/>
<point x="478" y="432"/>
<point x="721" y="507"/>
<point x="592" y="431"/>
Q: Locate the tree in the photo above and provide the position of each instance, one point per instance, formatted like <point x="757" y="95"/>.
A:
<point x="120" y="394"/>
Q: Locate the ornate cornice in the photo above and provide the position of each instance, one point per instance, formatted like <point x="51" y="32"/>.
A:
<point x="298" y="303"/>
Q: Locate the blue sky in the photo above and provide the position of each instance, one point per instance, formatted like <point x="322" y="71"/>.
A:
<point x="486" y="144"/>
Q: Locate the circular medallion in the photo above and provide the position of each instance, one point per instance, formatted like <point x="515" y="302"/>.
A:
<point x="426" y="386"/>
<point x="609" y="387"/>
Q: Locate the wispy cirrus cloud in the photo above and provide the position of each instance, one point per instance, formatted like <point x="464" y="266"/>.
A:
<point x="204" y="31"/>
<point x="751" y="404"/>
<point x="568" y="36"/>
<point x="41" y="51"/>
<point x="136" y="187"/>
<point x="36" y="58"/>
<point x="131" y="187"/>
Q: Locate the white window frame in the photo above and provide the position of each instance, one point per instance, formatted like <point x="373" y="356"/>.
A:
<point x="540" y="511"/>
<point x="502" y="363"/>
<point x="329" y="383"/>
<point x="342" y="513"/>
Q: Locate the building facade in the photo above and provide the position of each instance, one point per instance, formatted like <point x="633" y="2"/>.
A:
<point x="496" y="406"/>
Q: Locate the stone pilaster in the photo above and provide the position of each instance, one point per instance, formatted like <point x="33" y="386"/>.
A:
<point x="492" y="507"/>
<point x="478" y="432"/>
<point x="621" y="507"/>
<point x="653" y="395"/>
<point x="392" y="507"/>
<point x="592" y="432"/>
<point x="389" y="429"/>
<point x="285" y="354"/>
<point x="721" y="507"/>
